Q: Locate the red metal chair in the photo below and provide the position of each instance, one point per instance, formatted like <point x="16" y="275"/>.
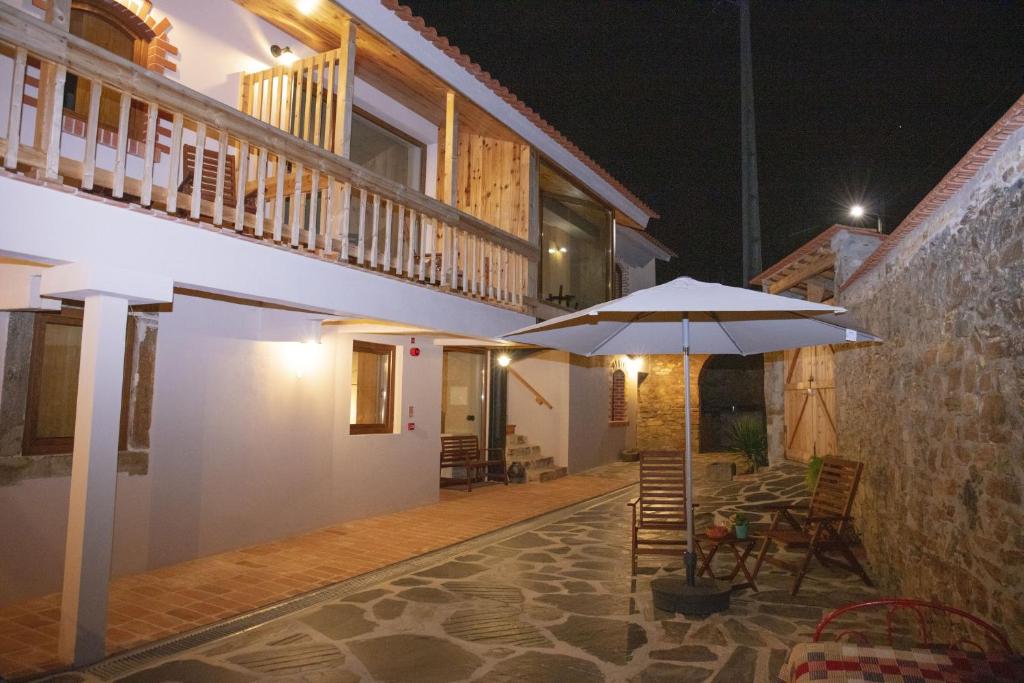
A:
<point x="937" y="625"/>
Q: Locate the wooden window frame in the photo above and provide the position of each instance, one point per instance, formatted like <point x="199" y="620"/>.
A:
<point x="141" y="42"/>
<point x="402" y="135"/>
<point x="388" y="426"/>
<point x="34" y="445"/>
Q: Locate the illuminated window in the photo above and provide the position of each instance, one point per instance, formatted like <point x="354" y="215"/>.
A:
<point x="373" y="385"/>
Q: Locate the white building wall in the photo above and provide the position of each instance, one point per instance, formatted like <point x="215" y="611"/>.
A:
<point x="548" y="373"/>
<point x="242" y="450"/>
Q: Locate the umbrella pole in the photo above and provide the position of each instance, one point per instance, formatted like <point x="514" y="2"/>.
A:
<point x="690" y="557"/>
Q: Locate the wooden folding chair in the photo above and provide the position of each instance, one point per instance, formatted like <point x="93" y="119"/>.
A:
<point x="827" y="527"/>
<point x="659" y="513"/>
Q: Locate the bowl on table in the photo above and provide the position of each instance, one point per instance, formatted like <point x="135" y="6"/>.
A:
<point x="717" y="532"/>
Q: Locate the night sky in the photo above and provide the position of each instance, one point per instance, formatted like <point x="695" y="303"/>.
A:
<point x="855" y="101"/>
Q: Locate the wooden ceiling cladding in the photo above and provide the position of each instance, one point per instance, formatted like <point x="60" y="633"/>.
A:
<point x="378" y="62"/>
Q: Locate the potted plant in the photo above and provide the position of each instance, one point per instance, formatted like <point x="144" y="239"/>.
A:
<point x="740" y="524"/>
<point x="629" y="455"/>
<point x="748" y="437"/>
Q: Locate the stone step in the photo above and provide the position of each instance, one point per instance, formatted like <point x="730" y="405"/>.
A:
<point x="515" y="439"/>
<point x="523" y="453"/>
<point x="546" y="473"/>
<point x="538" y="464"/>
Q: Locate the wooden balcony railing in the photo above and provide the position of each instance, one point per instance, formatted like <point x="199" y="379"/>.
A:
<point x="177" y="151"/>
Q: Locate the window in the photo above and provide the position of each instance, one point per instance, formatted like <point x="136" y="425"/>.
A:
<point x="576" y="244"/>
<point x="53" y="384"/>
<point x="617" y="407"/>
<point x="384" y="150"/>
<point x="373" y="385"/>
<point x="104" y="24"/>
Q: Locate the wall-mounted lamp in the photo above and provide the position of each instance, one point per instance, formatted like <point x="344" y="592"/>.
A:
<point x="634" y="363"/>
<point x="504" y="360"/>
<point x="306" y="6"/>
<point x="283" y="55"/>
<point x="555" y="249"/>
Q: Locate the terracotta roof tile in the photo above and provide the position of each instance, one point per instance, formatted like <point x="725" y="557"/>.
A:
<point x="965" y="170"/>
<point x="405" y="14"/>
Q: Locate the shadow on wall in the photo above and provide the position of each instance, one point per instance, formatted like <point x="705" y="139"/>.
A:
<point x="730" y="387"/>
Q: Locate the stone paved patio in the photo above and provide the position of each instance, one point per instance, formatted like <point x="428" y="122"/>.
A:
<point x="179" y="598"/>
<point x="549" y="601"/>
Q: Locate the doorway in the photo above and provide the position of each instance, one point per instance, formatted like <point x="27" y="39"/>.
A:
<point x="464" y="393"/>
<point x="810" y="402"/>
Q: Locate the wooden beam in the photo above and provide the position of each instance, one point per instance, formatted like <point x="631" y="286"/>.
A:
<point x="346" y="84"/>
<point x="451" y="151"/>
<point x="58" y="14"/>
<point x="809" y="267"/>
<point x="819" y="288"/>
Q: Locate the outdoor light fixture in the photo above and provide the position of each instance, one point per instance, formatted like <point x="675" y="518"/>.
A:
<point x="283" y="55"/>
<point x="306" y="6"/>
<point x="504" y="360"/>
<point x="301" y="356"/>
<point x="555" y="249"/>
<point x="552" y="250"/>
<point x="634" y="363"/>
<point x="858" y="211"/>
<point x="562" y="249"/>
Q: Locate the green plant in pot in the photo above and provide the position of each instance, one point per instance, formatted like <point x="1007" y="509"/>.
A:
<point x="740" y="524"/>
<point x="748" y="437"/>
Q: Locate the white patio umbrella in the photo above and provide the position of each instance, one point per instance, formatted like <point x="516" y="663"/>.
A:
<point x="689" y="316"/>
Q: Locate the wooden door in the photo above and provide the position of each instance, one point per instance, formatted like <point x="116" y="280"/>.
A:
<point x="810" y="403"/>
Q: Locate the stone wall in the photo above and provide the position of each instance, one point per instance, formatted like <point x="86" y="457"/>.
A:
<point x="775" y="405"/>
<point x="661" y="407"/>
<point x="936" y="411"/>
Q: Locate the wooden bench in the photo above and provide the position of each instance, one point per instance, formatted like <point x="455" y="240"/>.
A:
<point x="463" y="451"/>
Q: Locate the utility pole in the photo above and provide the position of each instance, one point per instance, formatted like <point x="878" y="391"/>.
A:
<point x="751" y="210"/>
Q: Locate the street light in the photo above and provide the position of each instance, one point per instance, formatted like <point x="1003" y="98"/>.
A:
<point x="857" y="211"/>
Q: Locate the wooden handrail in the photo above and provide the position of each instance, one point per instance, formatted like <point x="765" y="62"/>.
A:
<point x="541" y="401"/>
<point x="45" y="41"/>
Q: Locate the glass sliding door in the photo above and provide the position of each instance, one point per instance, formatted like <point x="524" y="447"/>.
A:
<point x="576" y="243"/>
<point x="464" y="393"/>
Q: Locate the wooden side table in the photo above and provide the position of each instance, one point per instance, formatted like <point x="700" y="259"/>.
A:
<point x="741" y="549"/>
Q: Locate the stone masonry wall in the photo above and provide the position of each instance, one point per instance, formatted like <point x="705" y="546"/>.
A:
<point x="936" y="412"/>
<point x="661" y="408"/>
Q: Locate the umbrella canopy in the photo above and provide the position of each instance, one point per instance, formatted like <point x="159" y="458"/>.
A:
<point x="688" y="316"/>
<point x="723" y="319"/>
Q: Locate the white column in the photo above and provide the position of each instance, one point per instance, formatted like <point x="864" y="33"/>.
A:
<point x="93" y="481"/>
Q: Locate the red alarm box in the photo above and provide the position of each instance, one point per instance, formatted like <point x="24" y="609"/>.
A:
<point x="412" y="426"/>
<point x="414" y="351"/>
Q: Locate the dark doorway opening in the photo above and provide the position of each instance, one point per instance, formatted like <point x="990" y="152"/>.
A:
<point x="730" y="387"/>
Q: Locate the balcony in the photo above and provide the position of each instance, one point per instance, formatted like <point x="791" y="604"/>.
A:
<point x="179" y="153"/>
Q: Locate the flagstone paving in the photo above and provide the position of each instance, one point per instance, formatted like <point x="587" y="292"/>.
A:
<point x="555" y="602"/>
<point x="179" y="598"/>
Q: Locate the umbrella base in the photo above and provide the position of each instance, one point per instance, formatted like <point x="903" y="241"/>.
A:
<point x="673" y="594"/>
